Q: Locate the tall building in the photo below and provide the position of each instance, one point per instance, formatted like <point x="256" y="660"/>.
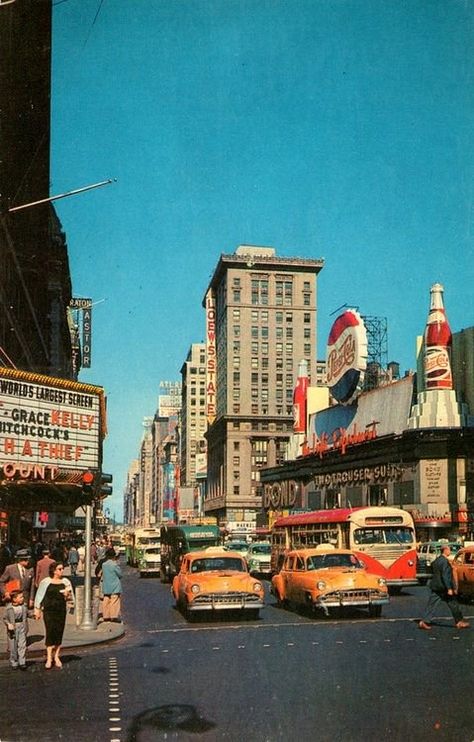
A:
<point x="193" y="413"/>
<point x="36" y="287"/>
<point x="260" y="322"/>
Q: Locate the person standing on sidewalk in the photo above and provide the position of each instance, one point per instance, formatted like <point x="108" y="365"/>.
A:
<point x="52" y="597"/>
<point x="442" y="590"/>
<point x="42" y="567"/>
<point x="73" y="559"/>
<point x="111" y="575"/>
<point x="21" y="575"/>
<point x="16" y="621"/>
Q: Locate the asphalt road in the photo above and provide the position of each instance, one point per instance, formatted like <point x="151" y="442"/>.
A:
<point x="287" y="676"/>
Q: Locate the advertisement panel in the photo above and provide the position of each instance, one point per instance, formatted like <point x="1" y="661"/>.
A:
<point x="346" y="356"/>
<point x="46" y="422"/>
<point x="210" y="357"/>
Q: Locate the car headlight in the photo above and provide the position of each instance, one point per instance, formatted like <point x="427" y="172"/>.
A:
<point x="253" y="563"/>
<point x="320" y="584"/>
<point x="257" y="587"/>
<point x="195" y="589"/>
<point x="382" y="581"/>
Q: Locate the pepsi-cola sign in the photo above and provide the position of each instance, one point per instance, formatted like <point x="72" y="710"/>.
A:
<point x="346" y="356"/>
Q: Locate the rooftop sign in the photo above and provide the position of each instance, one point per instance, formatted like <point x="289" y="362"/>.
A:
<point x="346" y="356"/>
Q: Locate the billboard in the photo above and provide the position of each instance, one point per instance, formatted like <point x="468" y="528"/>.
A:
<point x="211" y="357"/>
<point x="48" y="422"/>
<point x="346" y="356"/>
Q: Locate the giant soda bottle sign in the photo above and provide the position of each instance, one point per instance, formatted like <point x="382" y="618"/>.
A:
<point x="437" y="344"/>
<point x="299" y="398"/>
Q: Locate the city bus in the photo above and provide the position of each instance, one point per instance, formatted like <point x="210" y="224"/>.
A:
<point x="138" y="541"/>
<point x="176" y="541"/>
<point x="382" y="537"/>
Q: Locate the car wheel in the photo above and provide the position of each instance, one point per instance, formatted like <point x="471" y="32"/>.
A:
<point x="375" y="611"/>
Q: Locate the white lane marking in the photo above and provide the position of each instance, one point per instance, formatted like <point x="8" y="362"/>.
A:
<point x="114" y="706"/>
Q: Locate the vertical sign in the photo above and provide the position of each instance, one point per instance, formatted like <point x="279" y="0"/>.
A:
<point x="85" y="305"/>
<point x="86" y="337"/>
<point x="210" y="357"/>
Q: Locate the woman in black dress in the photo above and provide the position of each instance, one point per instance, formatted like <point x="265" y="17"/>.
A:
<point x="51" y="599"/>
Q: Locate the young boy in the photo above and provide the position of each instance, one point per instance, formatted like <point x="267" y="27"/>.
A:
<point x="16" y="621"/>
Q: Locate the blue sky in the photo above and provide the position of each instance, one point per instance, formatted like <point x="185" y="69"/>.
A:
<point x="335" y="129"/>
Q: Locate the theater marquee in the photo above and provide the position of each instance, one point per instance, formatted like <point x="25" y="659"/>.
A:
<point x="48" y="424"/>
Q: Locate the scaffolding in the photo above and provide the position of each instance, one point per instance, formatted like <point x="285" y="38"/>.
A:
<point x="377" y="352"/>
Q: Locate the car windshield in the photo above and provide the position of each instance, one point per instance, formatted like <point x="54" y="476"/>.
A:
<point x="388" y="535"/>
<point x="323" y="561"/>
<point x="261" y="549"/>
<point x="153" y="550"/>
<point x="217" y="563"/>
<point x="237" y="546"/>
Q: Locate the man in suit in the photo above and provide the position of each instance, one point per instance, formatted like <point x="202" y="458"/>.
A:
<point x="24" y="573"/>
<point x="42" y="567"/>
<point x="442" y="590"/>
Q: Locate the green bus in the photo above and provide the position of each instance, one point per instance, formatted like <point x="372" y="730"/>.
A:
<point x="179" y="540"/>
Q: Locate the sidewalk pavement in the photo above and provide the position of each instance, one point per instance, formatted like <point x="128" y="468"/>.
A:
<point x="74" y="636"/>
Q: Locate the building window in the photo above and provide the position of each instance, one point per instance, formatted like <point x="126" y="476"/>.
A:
<point x="279" y="333"/>
<point x="289" y="332"/>
<point x="236" y="363"/>
<point x="307" y="300"/>
<point x="278" y="317"/>
<point x="236" y="445"/>
<point x="254" y="347"/>
<point x="254" y="378"/>
<point x="259" y="290"/>
<point x="306" y="318"/>
<point x="289" y="364"/>
<point x="236" y="475"/>
<point x="307" y="333"/>
<point x="236" y="295"/>
<point x="264" y="362"/>
<point x="264" y="315"/>
<point x="236" y="411"/>
<point x="254" y="315"/>
<point x="236" y="314"/>
<point x="264" y="332"/>
<point x="236" y="377"/>
<point x="254" y="331"/>
<point x="236" y="394"/>
<point x="264" y="349"/>
<point x="307" y="349"/>
<point x="237" y="331"/>
<point x="279" y="349"/>
<point x="236" y="461"/>
<point x="289" y="316"/>
<point x="254" y="362"/>
<point x="237" y="284"/>
<point x="306" y="286"/>
<point x="289" y="348"/>
<point x="236" y="489"/>
<point x="254" y="409"/>
<point x="236" y="346"/>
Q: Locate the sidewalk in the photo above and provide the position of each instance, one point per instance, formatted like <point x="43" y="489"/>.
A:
<point x="73" y="635"/>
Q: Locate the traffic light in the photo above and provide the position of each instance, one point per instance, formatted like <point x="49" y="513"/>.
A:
<point x="88" y="484"/>
<point x="105" y="485"/>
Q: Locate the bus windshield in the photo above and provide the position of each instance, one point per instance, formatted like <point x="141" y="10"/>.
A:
<point x="386" y="535"/>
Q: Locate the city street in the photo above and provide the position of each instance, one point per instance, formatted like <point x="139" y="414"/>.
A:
<point x="286" y="676"/>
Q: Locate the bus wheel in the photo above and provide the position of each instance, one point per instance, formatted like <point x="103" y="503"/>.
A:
<point x="375" y="611"/>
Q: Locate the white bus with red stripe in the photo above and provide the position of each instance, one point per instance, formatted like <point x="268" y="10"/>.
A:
<point x="382" y="537"/>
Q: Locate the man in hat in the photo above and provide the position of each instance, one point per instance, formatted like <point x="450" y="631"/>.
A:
<point x="21" y="573"/>
<point x="42" y="567"/>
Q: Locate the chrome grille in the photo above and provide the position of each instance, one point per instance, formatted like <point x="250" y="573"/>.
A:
<point x="228" y="598"/>
<point x="348" y="596"/>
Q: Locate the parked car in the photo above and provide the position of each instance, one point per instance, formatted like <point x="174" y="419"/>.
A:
<point x="327" y="578"/>
<point x="217" y="580"/>
<point x="463" y="569"/>
<point x="258" y="558"/>
<point x="426" y="555"/>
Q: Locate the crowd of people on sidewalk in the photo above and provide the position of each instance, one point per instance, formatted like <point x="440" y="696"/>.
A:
<point x="32" y="584"/>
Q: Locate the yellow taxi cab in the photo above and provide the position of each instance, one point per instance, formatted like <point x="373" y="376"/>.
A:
<point x="463" y="570"/>
<point x="327" y="578"/>
<point x="213" y="580"/>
